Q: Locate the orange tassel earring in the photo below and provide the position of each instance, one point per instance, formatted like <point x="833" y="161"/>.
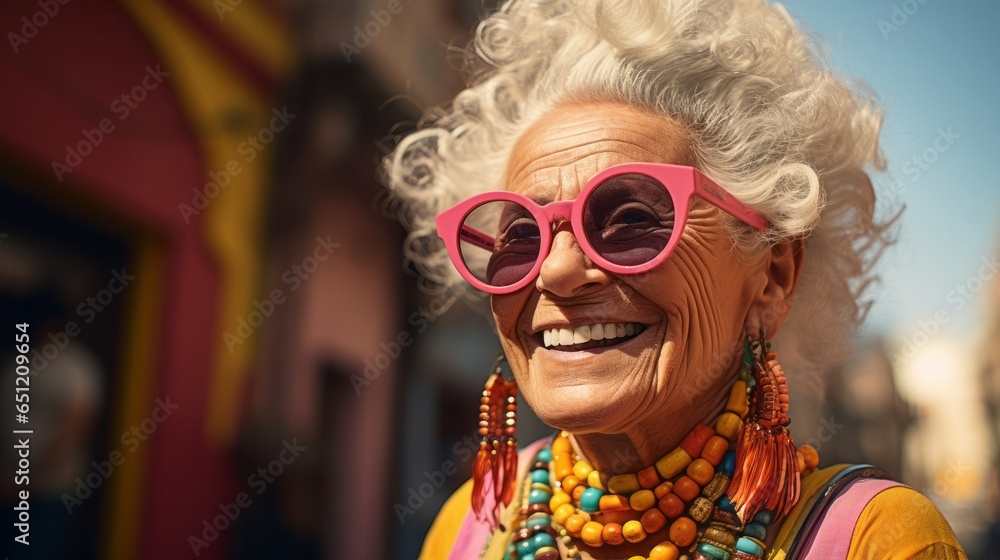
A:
<point x="494" y="471"/>
<point x="767" y="474"/>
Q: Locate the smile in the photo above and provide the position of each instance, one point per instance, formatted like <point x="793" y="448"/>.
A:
<point x="596" y="335"/>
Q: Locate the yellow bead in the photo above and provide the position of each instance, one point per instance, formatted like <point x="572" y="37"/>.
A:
<point x="597" y="479"/>
<point x="633" y="531"/>
<point x="728" y="426"/>
<point x="562" y="513"/>
<point x="738" y="399"/>
<point x="581" y="469"/>
<point x="636" y="558"/>
<point x="623" y="484"/>
<point x="591" y="533"/>
<point x="673" y="463"/>
<point x="666" y="550"/>
<point x="558" y="499"/>
<point x="642" y="500"/>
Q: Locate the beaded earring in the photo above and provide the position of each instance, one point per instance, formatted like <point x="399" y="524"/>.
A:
<point x="494" y="471"/>
<point x="767" y="474"/>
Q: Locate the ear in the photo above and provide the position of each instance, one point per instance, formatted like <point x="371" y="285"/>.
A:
<point x="773" y="302"/>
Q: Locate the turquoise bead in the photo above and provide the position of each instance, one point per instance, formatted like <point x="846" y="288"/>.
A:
<point x="528" y="556"/>
<point x="590" y="501"/>
<point x="542" y="539"/>
<point x="525" y="547"/>
<point x="544" y="455"/>
<point x="712" y="551"/>
<point x="539" y="497"/>
<point x="540" y="476"/>
<point x="756" y="530"/>
<point x="748" y="546"/>
<point x="725" y="504"/>
<point x="764" y="516"/>
<point x="728" y="464"/>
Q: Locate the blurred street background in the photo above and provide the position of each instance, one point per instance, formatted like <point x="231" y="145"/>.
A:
<point x="229" y="358"/>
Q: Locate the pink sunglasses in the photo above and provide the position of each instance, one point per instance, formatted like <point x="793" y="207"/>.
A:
<point x="627" y="219"/>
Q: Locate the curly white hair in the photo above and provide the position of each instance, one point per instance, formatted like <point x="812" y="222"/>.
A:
<point x="768" y="119"/>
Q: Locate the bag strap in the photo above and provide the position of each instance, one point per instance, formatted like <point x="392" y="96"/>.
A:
<point x="830" y="492"/>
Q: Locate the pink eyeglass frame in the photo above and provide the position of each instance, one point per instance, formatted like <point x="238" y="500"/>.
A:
<point x="682" y="182"/>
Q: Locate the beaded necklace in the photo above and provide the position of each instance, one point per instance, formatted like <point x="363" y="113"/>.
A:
<point x="681" y="500"/>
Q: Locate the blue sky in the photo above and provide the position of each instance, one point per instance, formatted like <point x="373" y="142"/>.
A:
<point x="937" y="70"/>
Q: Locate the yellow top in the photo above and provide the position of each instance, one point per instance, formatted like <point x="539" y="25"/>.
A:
<point x="898" y="523"/>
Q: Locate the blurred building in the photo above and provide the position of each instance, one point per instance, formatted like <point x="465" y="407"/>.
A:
<point x="134" y="167"/>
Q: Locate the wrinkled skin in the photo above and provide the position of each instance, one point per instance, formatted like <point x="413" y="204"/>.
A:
<point x="629" y="404"/>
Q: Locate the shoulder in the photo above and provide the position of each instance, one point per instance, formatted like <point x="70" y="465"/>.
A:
<point x="849" y="512"/>
<point x="439" y="540"/>
<point x="900" y="522"/>
<point x="450" y="530"/>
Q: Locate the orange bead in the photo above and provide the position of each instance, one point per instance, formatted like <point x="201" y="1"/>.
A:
<point x="633" y="532"/>
<point x="653" y="520"/>
<point x="701" y="471"/>
<point x="683" y="531"/>
<point x="569" y="483"/>
<point x="695" y="441"/>
<point x="800" y="461"/>
<point x="613" y="502"/>
<point x="612" y="534"/>
<point x="574" y="524"/>
<point x="665" y="551"/>
<point x="648" y="478"/>
<point x="715" y="450"/>
<point x="578" y="492"/>
<point x="810" y="455"/>
<point x="671" y="505"/>
<point x="686" y="488"/>
<point x="560" y="445"/>
<point x="592" y="533"/>
<point x="562" y="466"/>
<point x="663" y="489"/>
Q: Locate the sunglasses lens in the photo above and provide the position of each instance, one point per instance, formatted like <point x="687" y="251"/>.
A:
<point x="629" y="219"/>
<point x="499" y="242"/>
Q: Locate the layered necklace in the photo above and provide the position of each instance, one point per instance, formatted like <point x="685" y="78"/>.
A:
<point x="714" y="497"/>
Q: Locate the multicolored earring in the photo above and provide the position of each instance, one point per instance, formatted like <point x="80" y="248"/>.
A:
<point x="767" y="474"/>
<point x="494" y="472"/>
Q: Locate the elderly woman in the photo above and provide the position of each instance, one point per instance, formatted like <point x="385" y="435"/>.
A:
<point x="642" y="188"/>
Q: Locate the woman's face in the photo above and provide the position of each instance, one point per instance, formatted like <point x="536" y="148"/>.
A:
<point x="688" y="313"/>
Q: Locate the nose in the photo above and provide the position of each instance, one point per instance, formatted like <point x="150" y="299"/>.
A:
<point x="567" y="271"/>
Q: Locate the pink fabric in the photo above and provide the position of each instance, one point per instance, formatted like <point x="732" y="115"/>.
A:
<point x="832" y="540"/>
<point x="473" y="534"/>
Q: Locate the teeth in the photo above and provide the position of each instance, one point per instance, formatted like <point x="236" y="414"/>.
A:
<point x="598" y="331"/>
<point x="565" y="337"/>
